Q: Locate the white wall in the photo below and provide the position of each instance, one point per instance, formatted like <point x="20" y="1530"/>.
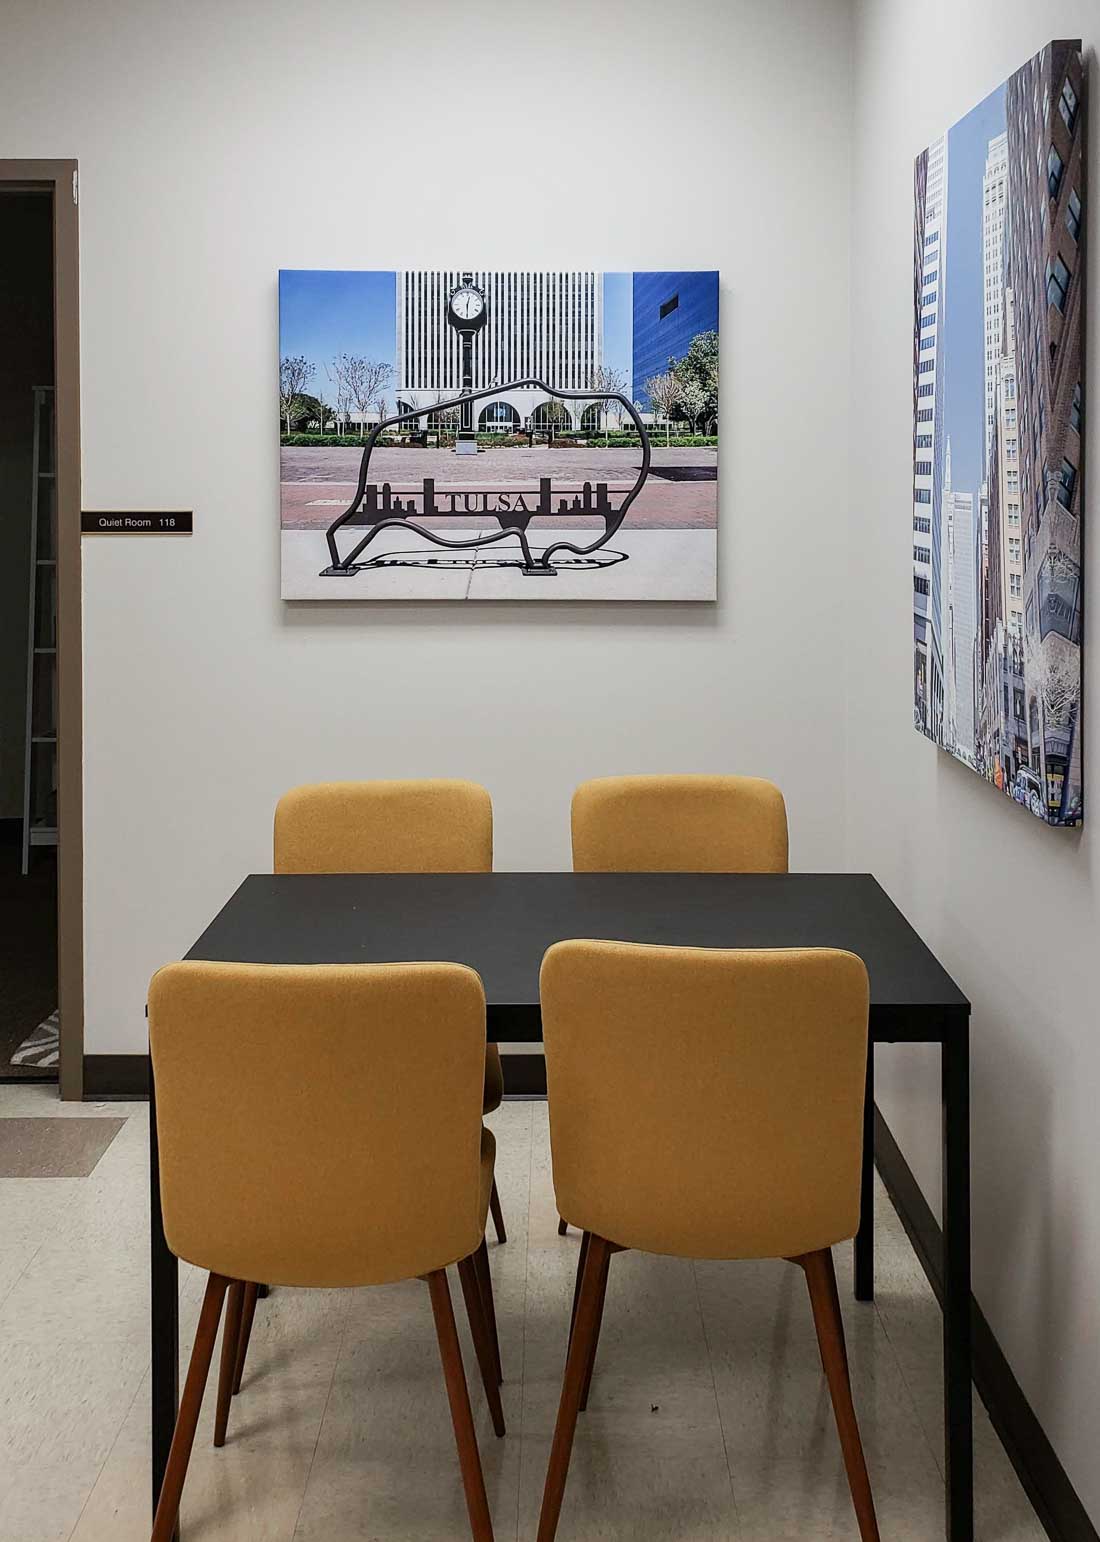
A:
<point x="710" y="134"/>
<point x="1008" y="905"/>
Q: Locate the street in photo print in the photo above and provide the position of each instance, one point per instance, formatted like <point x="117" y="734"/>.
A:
<point x="498" y="435"/>
<point x="998" y="373"/>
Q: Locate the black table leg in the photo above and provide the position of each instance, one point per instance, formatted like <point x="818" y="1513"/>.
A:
<point x="164" y="1316"/>
<point x="957" y="1368"/>
<point x="865" y="1236"/>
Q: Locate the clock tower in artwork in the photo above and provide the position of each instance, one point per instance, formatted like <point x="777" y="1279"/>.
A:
<point x="466" y="312"/>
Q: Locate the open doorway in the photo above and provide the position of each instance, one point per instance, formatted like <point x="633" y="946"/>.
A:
<point x="41" y="963"/>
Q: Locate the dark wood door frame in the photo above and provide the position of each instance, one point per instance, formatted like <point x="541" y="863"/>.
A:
<point x="59" y="178"/>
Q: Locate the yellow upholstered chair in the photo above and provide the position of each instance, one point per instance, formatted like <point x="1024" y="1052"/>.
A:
<point x="287" y="1083"/>
<point x="679" y="824"/>
<point x="706" y="1104"/>
<point x="429" y="826"/>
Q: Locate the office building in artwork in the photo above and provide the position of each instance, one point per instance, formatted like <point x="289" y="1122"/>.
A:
<point x="959" y="630"/>
<point x="542" y="326"/>
<point x="929" y="304"/>
<point x="994" y="189"/>
<point x="669" y="311"/>
<point x="997" y="436"/>
<point x="1045" y="266"/>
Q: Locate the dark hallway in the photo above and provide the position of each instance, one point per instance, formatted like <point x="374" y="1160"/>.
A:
<point x="28" y="655"/>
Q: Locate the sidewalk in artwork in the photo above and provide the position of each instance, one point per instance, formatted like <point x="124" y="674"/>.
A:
<point x="635" y="565"/>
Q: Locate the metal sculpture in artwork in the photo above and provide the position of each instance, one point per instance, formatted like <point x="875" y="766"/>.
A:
<point x="512" y="506"/>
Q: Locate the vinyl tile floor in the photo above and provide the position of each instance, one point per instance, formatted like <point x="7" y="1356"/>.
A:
<point x="709" y="1418"/>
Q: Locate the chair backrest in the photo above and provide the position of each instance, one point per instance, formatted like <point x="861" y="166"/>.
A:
<point x="430" y="826"/>
<point x="679" y="824"/>
<point x="291" y="1150"/>
<point x="706" y="1103"/>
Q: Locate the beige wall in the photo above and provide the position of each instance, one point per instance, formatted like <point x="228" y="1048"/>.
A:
<point x="220" y="143"/>
<point x="1010" y="906"/>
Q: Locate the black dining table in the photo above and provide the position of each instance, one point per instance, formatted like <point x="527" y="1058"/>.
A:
<point x="501" y="924"/>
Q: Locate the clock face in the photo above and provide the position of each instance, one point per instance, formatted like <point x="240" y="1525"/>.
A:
<point x="467" y="304"/>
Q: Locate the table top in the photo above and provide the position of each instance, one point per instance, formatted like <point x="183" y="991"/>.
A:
<point x="502" y="923"/>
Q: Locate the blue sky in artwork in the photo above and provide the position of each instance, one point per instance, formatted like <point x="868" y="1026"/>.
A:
<point x="964" y="323"/>
<point x="324" y="312"/>
<point x="618" y="325"/>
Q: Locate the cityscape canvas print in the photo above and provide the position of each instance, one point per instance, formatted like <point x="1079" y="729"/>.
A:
<point x="998" y="371"/>
<point x="458" y="435"/>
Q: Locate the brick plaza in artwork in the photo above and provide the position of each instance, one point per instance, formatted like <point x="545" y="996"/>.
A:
<point x="680" y="493"/>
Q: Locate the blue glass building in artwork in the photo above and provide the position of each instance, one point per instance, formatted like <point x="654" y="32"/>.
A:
<point x="669" y="310"/>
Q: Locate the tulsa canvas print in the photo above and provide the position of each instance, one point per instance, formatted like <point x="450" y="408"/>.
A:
<point x="460" y="435"/>
<point x="998" y="372"/>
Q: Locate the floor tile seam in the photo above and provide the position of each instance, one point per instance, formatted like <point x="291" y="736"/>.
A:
<point x="937" y="1457"/>
<point x="111" y="1451"/>
<point x="5" y="1296"/>
<point x="714" y="1388"/>
<point x="324" y="1412"/>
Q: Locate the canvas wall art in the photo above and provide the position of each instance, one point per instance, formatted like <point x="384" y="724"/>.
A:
<point x="998" y="376"/>
<point x="466" y="435"/>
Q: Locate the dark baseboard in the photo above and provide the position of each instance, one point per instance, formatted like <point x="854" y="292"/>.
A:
<point x="524" y="1076"/>
<point x="1042" y="1475"/>
<point x="115" y="1076"/>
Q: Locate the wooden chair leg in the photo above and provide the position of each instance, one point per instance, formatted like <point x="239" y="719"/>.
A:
<point x="576" y="1370"/>
<point x="485" y="1281"/>
<point x="497" y="1213"/>
<point x="183" y="1437"/>
<point x="469" y="1458"/>
<point x="479" y="1332"/>
<point x="231" y="1338"/>
<point x="596" y="1330"/>
<point x="586" y="1238"/>
<point x="251" y="1292"/>
<point x="563" y="1227"/>
<point x="821" y="1280"/>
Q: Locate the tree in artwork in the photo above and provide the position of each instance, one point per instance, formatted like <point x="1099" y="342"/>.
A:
<point x="295" y="373"/>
